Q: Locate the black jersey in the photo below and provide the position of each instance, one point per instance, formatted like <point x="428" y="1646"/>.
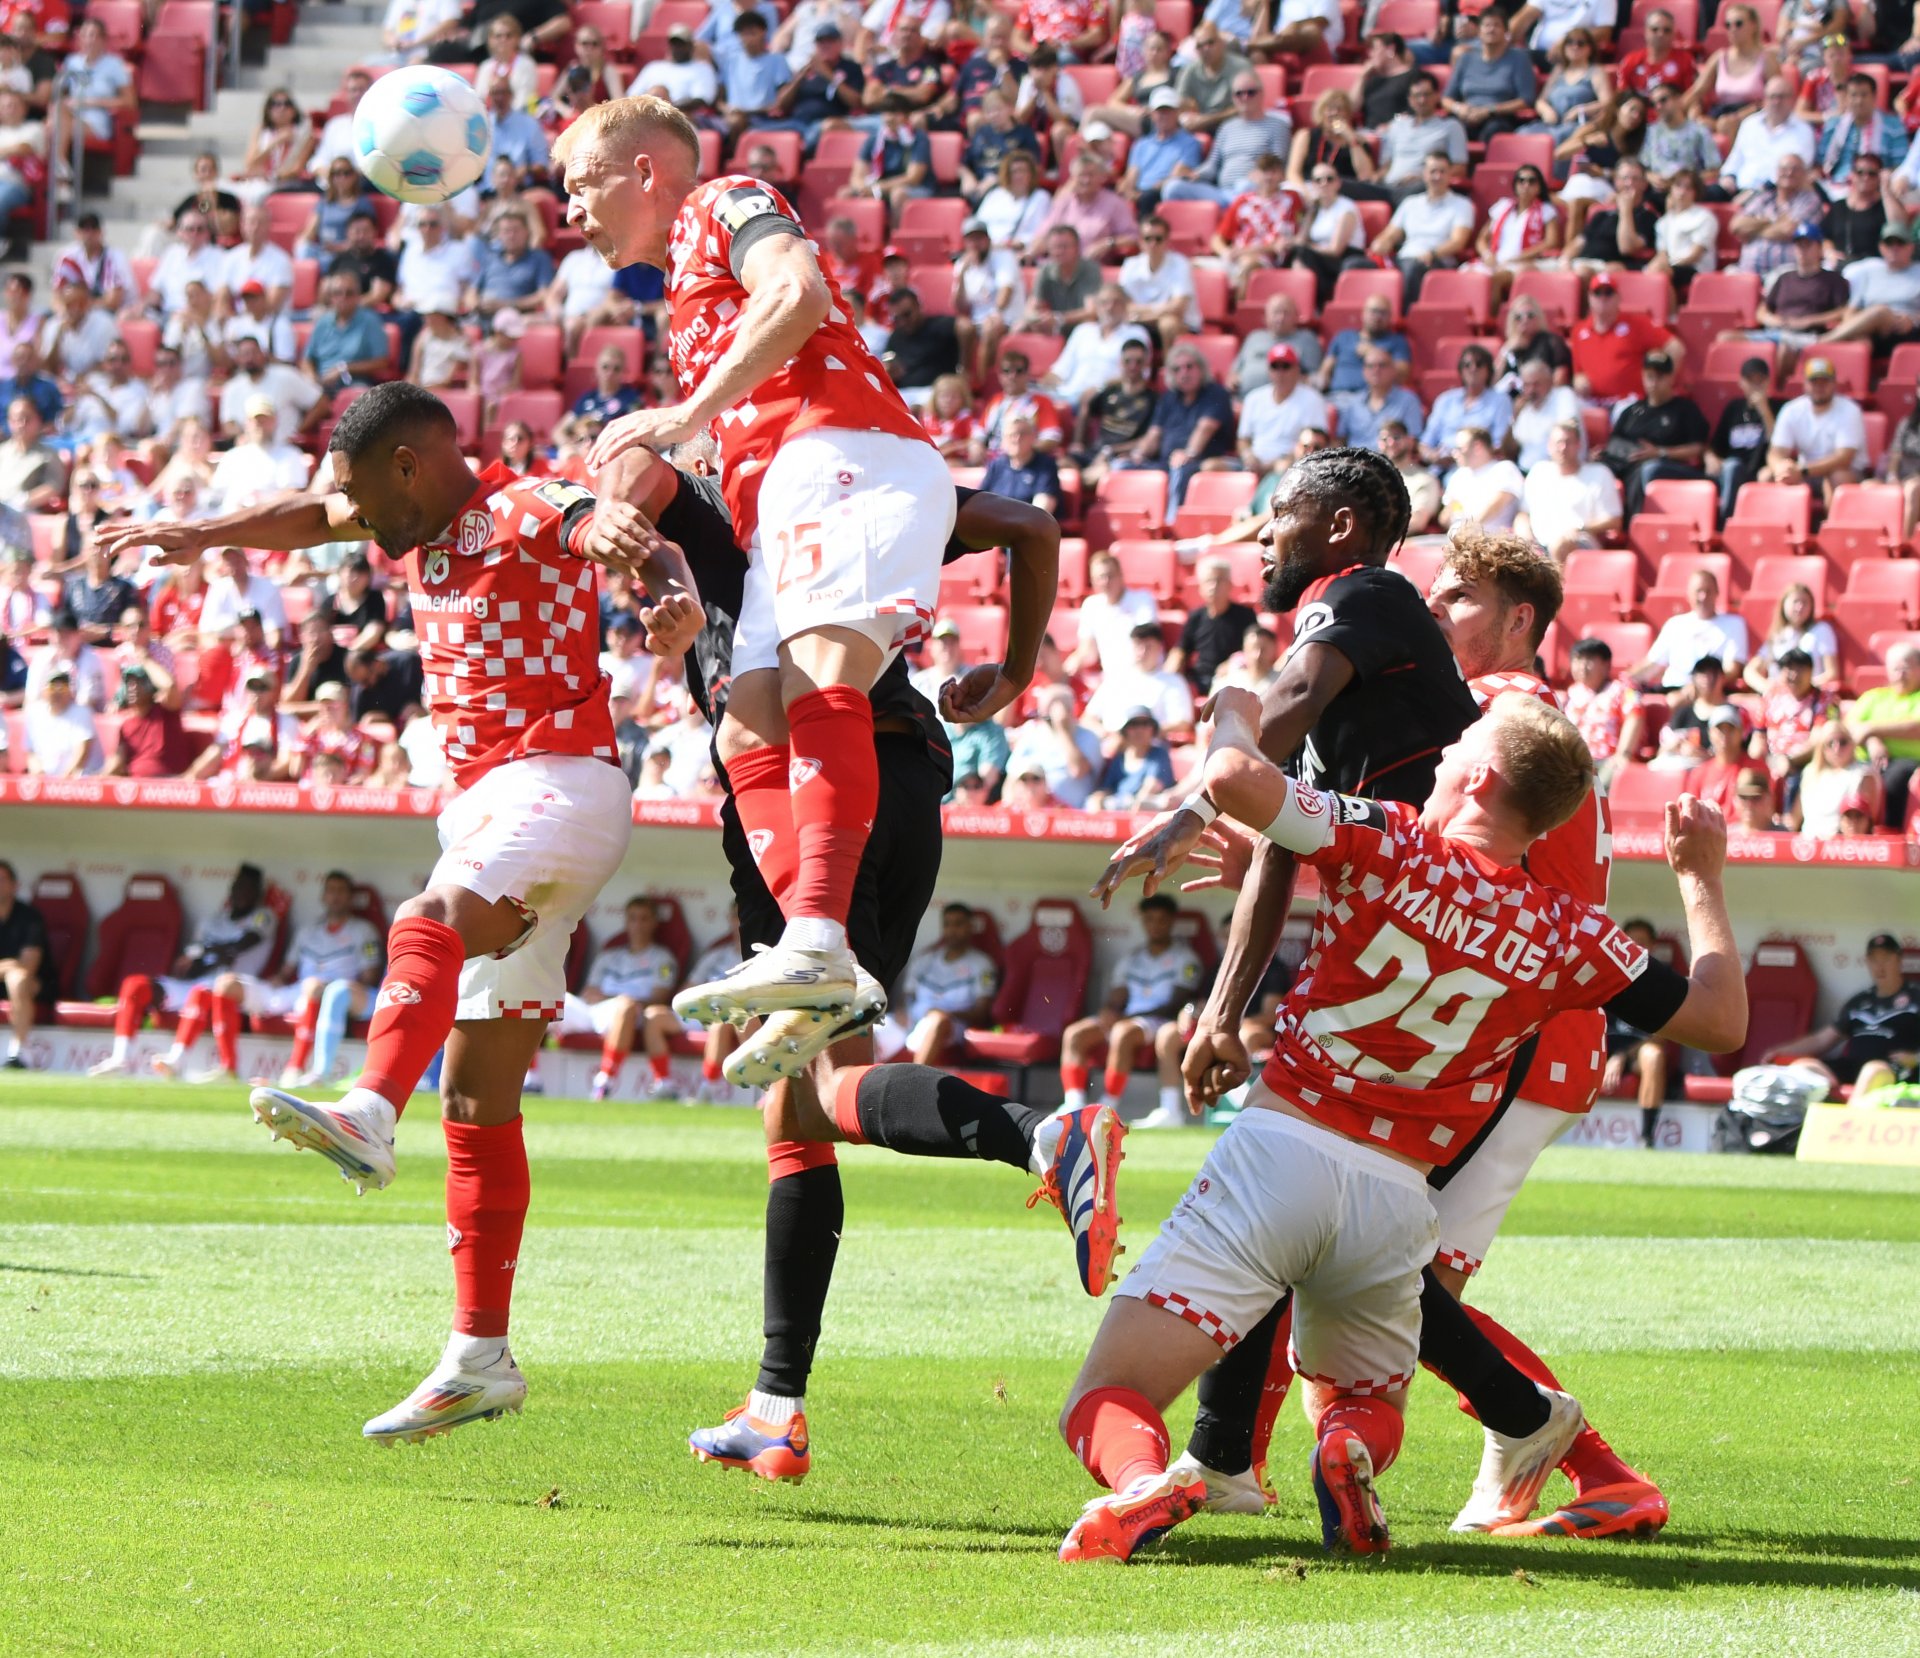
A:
<point x="23" y="928"/>
<point x="1382" y="735"/>
<point x="697" y="518"/>
<point x="1877" y="1026"/>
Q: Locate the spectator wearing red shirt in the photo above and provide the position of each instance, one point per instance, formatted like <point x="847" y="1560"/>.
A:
<point x="1610" y="345"/>
<point x="1794" y="709"/>
<point x="948" y="417"/>
<point x="153" y="742"/>
<point x="1076" y="28"/>
<point x="1604" y="707"/>
<point x="332" y="731"/>
<point x="1659" y="62"/>
<point x="1718" y="776"/>
<point x="842" y="260"/>
<point x="1017" y="396"/>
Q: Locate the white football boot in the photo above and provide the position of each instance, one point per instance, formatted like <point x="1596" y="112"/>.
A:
<point x="111" y="1066"/>
<point x="774" y="979"/>
<point x="788" y="1042"/>
<point x="356" y="1135"/>
<point x="1226" y="1493"/>
<point x="1513" y="1471"/>
<point x="1168" y="1116"/>
<point x="458" y="1391"/>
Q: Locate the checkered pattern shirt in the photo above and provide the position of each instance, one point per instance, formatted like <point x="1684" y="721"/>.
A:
<point x="1429" y="966"/>
<point x="509" y="628"/>
<point x="832" y="380"/>
<point x="1576" y="858"/>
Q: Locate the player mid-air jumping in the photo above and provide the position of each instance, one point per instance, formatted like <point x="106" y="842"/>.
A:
<point x="500" y="577"/>
<point x="1434" y="957"/>
<point x="835" y="489"/>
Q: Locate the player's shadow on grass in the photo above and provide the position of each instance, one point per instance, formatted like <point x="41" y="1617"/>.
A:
<point x="980" y="1528"/>
<point x="74" y="1272"/>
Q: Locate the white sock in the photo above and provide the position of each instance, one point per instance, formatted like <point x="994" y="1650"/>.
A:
<point x="13" y="1045"/>
<point x="773" y="1409"/>
<point x="1076" y="1098"/>
<point x="1046" y="1141"/>
<point x="372" y="1105"/>
<point x="474" y="1352"/>
<point x="176" y="1054"/>
<point x="120" y="1048"/>
<point x="1172" y="1099"/>
<point x="813" y="932"/>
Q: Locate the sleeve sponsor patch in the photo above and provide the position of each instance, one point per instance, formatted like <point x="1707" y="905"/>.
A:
<point x="564" y="494"/>
<point x="741" y="205"/>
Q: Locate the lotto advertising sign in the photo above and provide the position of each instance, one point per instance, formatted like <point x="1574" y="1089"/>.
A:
<point x="1847" y="1134"/>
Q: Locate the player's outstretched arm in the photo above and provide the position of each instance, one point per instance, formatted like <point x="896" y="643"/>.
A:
<point x="787" y="301"/>
<point x="285" y="523"/>
<point x="1033" y="538"/>
<point x="1713" y="1018"/>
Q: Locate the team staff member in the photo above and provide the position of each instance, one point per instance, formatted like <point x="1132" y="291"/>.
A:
<point x="1874" y="1039"/>
<point x="25" y="962"/>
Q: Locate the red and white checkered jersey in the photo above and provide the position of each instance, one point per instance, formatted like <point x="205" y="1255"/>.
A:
<point x="354" y="749"/>
<point x="1059" y="21"/>
<point x="1429" y="965"/>
<point x="1578" y="859"/>
<point x="833" y="380"/>
<point x="508" y="620"/>
<point x="1255" y="220"/>
<point x="1601" y="715"/>
<point x="335" y="949"/>
<point x="1789" y="720"/>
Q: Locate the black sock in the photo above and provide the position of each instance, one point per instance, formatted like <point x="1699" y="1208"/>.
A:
<point x="1456" y="1350"/>
<point x="1228" y="1398"/>
<point x="921" y="1112"/>
<point x="1649" y="1122"/>
<point x="804" y="1215"/>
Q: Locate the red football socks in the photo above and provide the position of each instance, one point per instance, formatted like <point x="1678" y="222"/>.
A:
<point x="846" y="1101"/>
<point x="1115" y="1083"/>
<point x="1590" y="1461"/>
<point x="763" y="798"/>
<point x="487" y="1195"/>
<point x="1073" y="1076"/>
<point x="1118" y="1435"/>
<point x="193" y="1017"/>
<point x="414" y="1010"/>
<point x="834" y="778"/>
<point x="709" y="1070"/>
<point x="136" y="996"/>
<point x="785" y="1157"/>
<point x="226" y="1031"/>
<point x="1374" y="1422"/>
<point x="659" y="1064"/>
<point x="305" y="1018"/>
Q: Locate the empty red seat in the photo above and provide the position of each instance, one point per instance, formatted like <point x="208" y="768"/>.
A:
<point x="1213" y="501"/>
<point x="1127" y="504"/>
<point x="141" y="936"/>
<point x="1726" y="291"/>
<point x="1557" y="291"/>
<point x="1615" y="575"/>
<point x="1043" y="990"/>
<point x="1152" y="566"/>
<point x="1638" y="795"/>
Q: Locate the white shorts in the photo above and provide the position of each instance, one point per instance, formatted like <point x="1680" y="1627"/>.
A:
<point x="170" y="994"/>
<point x="258" y="999"/>
<point x="1282" y="1204"/>
<point x="853" y="526"/>
<point x="547" y="832"/>
<point x="1151" y="1023"/>
<point x="582" y="1018"/>
<point x="1474" y="1202"/>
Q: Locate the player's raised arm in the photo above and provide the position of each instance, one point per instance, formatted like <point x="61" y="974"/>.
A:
<point x="1033" y="538"/>
<point x="285" y="523"/>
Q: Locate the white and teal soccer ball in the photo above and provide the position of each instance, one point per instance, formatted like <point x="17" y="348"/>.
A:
<point x="420" y="134"/>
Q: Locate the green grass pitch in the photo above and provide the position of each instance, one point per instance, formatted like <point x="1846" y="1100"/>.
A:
<point x="194" y="1323"/>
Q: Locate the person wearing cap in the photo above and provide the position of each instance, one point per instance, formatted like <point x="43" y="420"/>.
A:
<point x="1770" y="132"/>
<point x="1886" y="723"/>
<point x="1250" y="132"/>
<point x="1273" y="416"/>
<point x="1874" y="1039"/>
<point x="152" y="741"/>
<point x="62" y="740"/>
<point x="1157" y="152"/>
<point x="1738" y="447"/>
<point x="1801" y="301"/>
<point x="1728" y="762"/>
<point x="1429" y="231"/>
<point x="943" y="660"/>
<point x="989" y="296"/>
<point x="684" y="80"/>
<point x="1476" y="401"/>
<point x="1820" y="437"/>
<point x="1568" y="503"/>
<point x="1883" y="294"/>
<point x="1767" y="219"/>
<point x="332" y="732"/>
<point x="1661" y="434"/>
<point x="255" y="318"/>
<point x="1610" y="346"/>
<point x="1138" y="772"/>
<point x="1793" y="710"/>
<point x="823" y="95"/>
<point x="260" y="465"/>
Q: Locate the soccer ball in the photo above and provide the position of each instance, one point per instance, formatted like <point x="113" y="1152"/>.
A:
<point x="420" y="134"/>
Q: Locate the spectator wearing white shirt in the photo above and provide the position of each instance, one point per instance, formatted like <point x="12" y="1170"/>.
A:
<point x="582" y="297"/>
<point x="103" y="271"/>
<point x="1700" y="630"/>
<point x="624" y="662"/>
<point x="989" y="296"/>
<point x="69" y="649"/>
<point x="412" y="27"/>
<point x="192" y="257"/>
<point x="1429" y="231"/>
<point x="1482" y="488"/>
<point x="1567" y="504"/>
<point x="234" y="589"/>
<point x="1819" y="437"/>
<point x="433" y="269"/>
<point x="258" y="466"/>
<point x="281" y="385"/>
<point x="1769" y="133"/>
<point x="336" y="137"/>
<point x="61" y="737"/>
<point x="74" y="339"/>
<point x="1543" y="24"/>
<point x="173" y="399"/>
<point x="1539" y="407"/>
<point x="1146" y="682"/>
<point x="1108" y="616"/>
<point x="1310" y="29"/>
<point x="682" y="79"/>
<point x="1159" y="284"/>
<point x="1274" y="415"/>
<point x="258" y="258"/>
<point x="255" y="319"/>
<point x="1091" y="356"/>
<point x="1883" y="294"/>
<point x="111" y="399"/>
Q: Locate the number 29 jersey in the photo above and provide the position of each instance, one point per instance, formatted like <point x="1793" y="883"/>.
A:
<point x="1429" y="965"/>
<point x="832" y="380"/>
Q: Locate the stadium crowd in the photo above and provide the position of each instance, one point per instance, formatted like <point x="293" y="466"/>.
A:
<point x="1638" y="286"/>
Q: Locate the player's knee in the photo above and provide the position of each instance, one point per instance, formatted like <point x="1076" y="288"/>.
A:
<point x="227" y="988"/>
<point x="435" y="904"/>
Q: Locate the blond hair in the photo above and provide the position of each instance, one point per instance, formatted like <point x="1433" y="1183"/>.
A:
<point x="1513" y="567"/>
<point x="624" y="126"/>
<point x="1545" y="768"/>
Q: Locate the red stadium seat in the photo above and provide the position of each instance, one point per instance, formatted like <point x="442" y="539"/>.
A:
<point x="541" y="350"/>
<point x="1263" y="285"/>
<point x="1639" y="794"/>
<point x="1781" y="992"/>
<point x="1213" y="501"/>
<point x="1879" y="591"/>
<point x="1864" y="522"/>
<point x="1469" y="291"/>
<point x="1356" y="286"/>
<point x="1127" y="504"/>
<point x="1726" y="291"/>
<point x="929" y="229"/>
<point x="983" y="630"/>
<point x="1771" y="577"/>
<point x="1097" y="81"/>
<point x="614" y="20"/>
<point x="1041" y="350"/>
<point x="1044" y="990"/>
<point x="1190" y="225"/>
<point x="1629" y="642"/>
<point x="1895" y="394"/>
<point x="141" y="936"/>
<point x="1557" y="291"/>
<point x="1073" y="568"/>
<point x="1852" y="369"/>
<point x="1614" y="575"/>
<point x="1215" y="295"/>
<point x="1649" y="292"/>
<point x="1418" y="559"/>
<point x="1153" y="566"/>
<point x="1765" y="518"/>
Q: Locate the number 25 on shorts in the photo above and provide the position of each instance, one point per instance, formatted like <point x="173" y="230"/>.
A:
<point x="796" y="555"/>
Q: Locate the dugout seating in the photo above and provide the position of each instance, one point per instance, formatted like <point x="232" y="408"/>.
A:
<point x="63" y="907"/>
<point x="141" y="936"/>
<point x="672" y="932"/>
<point x="1042" y="991"/>
<point x="1781" y="994"/>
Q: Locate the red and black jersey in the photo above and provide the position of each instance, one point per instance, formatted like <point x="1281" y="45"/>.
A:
<point x="1382" y="735"/>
